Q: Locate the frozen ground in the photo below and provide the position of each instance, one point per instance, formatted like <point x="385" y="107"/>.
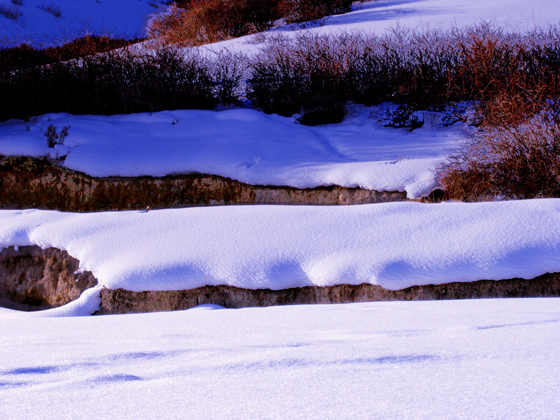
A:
<point x="477" y="359"/>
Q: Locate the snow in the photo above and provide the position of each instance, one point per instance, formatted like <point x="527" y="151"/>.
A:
<point x="128" y="18"/>
<point x="486" y="359"/>
<point x="245" y="145"/>
<point x="85" y="305"/>
<point x="394" y="245"/>
<point x="122" y="18"/>
<point x="383" y="16"/>
<point x="471" y="359"/>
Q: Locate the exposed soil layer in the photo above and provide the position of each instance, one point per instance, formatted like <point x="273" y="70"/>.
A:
<point x="32" y="278"/>
<point x="123" y="301"/>
<point x="40" y="183"/>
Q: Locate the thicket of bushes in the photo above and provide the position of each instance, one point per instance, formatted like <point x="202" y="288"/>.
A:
<point x="120" y="82"/>
<point x="508" y="75"/>
<point x="319" y="74"/>
<point x="195" y="22"/>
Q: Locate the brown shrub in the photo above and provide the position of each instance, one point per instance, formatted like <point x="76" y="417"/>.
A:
<point x="196" y="22"/>
<point x="521" y="161"/>
<point x="206" y="21"/>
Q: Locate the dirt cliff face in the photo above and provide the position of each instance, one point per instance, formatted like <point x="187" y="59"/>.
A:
<point x="123" y="301"/>
<point x="39" y="183"/>
<point x="32" y="278"/>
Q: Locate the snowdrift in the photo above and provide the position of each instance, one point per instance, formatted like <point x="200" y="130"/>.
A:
<point x="394" y="245"/>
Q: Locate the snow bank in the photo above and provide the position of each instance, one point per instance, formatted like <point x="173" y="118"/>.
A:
<point x="395" y="245"/>
<point x="245" y="145"/>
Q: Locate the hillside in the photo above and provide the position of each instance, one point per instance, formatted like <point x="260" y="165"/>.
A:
<point x="161" y="154"/>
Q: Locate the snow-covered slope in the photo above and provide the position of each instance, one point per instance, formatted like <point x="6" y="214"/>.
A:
<point x="472" y="359"/>
<point x="52" y="22"/>
<point x="394" y="245"/>
<point x="380" y="16"/>
<point x="129" y="18"/>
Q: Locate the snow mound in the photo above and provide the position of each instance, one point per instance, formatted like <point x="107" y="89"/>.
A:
<point x="394" y="245"/>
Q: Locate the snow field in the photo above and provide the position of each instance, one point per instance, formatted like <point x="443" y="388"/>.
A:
<point x="472" y="359"/>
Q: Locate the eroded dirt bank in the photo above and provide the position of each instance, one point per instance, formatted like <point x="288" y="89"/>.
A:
<point x="123" y="301"/>
<point x="32" y="278"/>
<point x="39" y="183"/>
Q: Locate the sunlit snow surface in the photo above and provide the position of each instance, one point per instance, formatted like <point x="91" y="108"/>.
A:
<point x="246" y="145"/>
<point x="382" y="16"/>
<point x="477" y="359"/>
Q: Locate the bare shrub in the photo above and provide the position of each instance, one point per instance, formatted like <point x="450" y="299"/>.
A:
<point x="27" y="56"/>
<point x="518" y="162"/>
<point x="205" y="21"/>
<point x="227" y="70"/>
<point x="510" y="75"/>
<point x="295" y="11"/>
<point x="115" y="82"/>
<point x="17" y="2"/>
<point x="308" y="76"/>
<point x="10" y="12"/>
<point x="53" y="137"/>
